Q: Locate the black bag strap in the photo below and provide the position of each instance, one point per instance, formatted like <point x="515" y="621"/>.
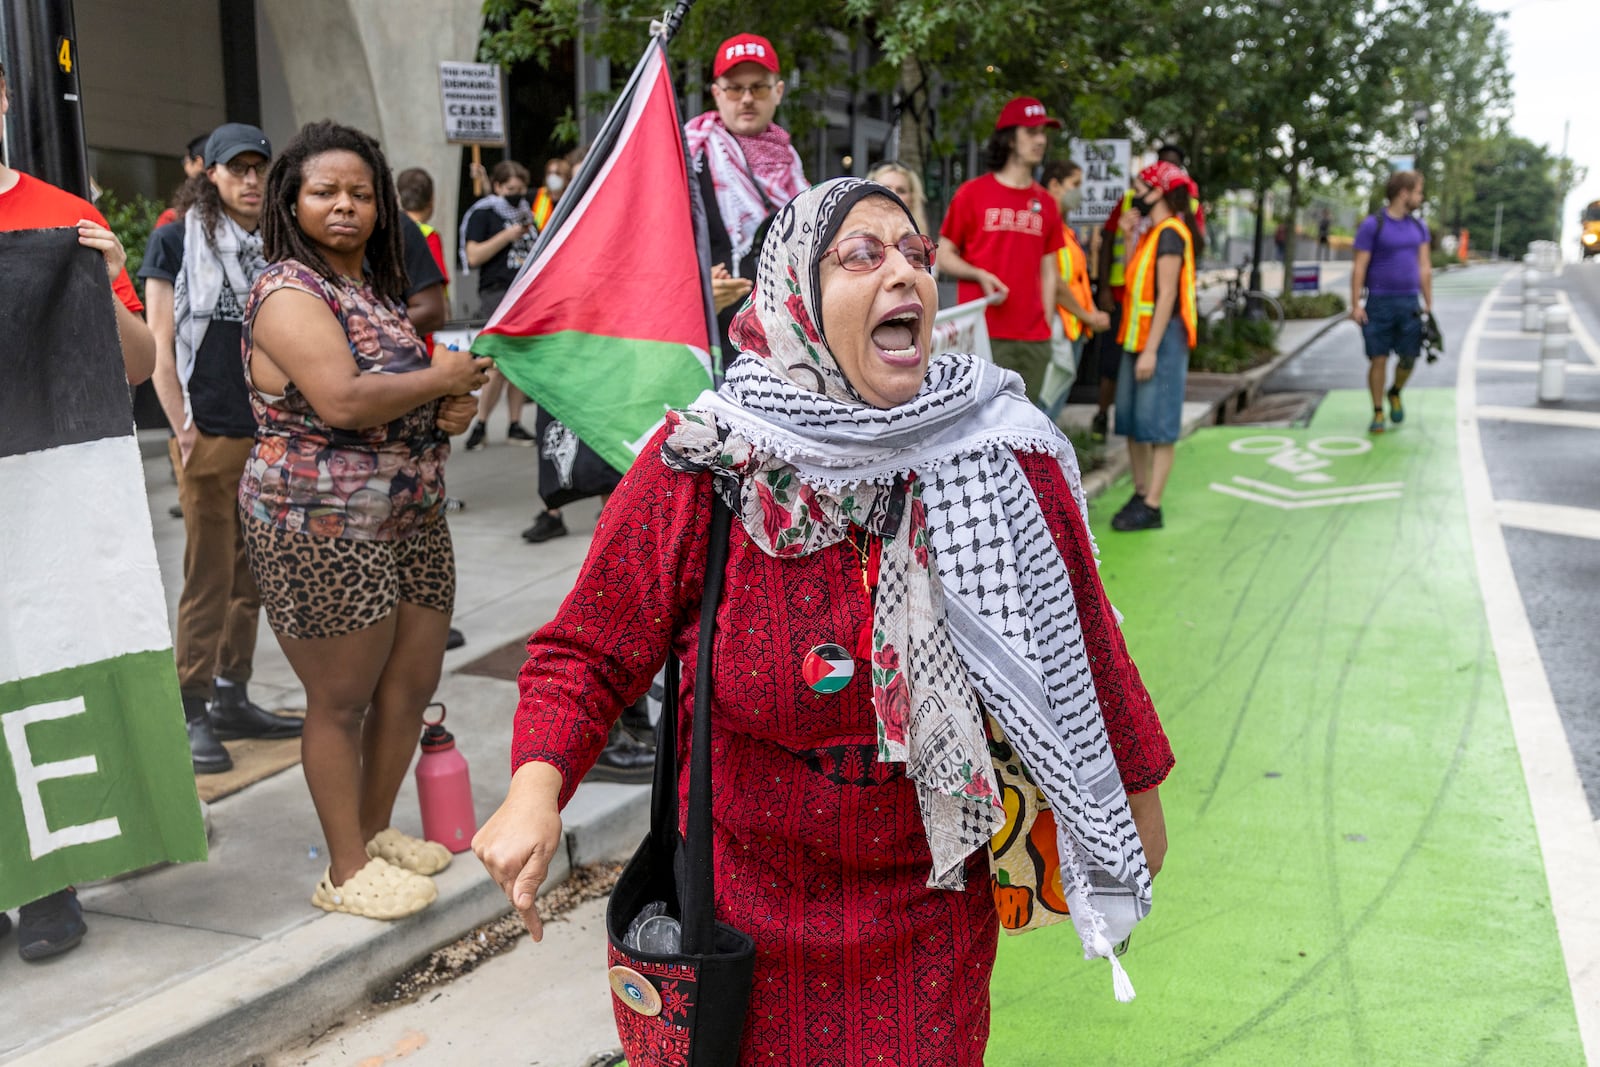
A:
<point x="697" y="893"/>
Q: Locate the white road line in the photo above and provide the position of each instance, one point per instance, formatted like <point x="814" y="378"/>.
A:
<point x="1295" y="505"/>
<point x="1510" y="335"/>
<point x="1504" y="314"/>
<point x="1549" y="518"/>
<point x="1531" y="365"/>
<point x="1306" y="494"/>
<point x="1580" y="332"/>
<point x="1567" y="837"/>
<point x="1582" y="420"/>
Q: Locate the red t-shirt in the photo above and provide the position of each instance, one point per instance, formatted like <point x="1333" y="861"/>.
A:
<point x="35" y="205"/>
<point x="1006" y="232"/>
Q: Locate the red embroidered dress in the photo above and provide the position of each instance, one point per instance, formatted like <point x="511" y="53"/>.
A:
<point x="820" y="852"/>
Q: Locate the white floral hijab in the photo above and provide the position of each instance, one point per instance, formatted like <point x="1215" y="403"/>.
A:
<point x="973" y="610"/>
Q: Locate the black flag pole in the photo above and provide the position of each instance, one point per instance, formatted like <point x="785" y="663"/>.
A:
<point x="672" y="21"/>
<point x="45" y="127"/>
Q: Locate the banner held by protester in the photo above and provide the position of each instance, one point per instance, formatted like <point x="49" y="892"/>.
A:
<point x="95" y="772"/>
<point x="608" y="325"/>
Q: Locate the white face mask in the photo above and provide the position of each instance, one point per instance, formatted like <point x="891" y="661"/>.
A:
<point x="1072" y="199"/>
<point x="554" y="182"/>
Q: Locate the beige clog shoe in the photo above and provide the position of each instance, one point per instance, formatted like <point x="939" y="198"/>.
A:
<point x="380" y="890"/>
<point x="412" y="853"/>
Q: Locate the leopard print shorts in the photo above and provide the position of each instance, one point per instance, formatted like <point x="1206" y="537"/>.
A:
<point x="315" y="587"/>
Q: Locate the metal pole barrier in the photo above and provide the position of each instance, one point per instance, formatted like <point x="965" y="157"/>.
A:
<point x="1532" y="305"/>
<point x="46" y="120"/>
<point x="1553" y="355"/>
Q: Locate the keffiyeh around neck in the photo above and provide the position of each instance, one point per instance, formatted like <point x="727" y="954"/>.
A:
<point x="225" y="252"/>
<point x="974" y="610"/>
<point x="753" y="176"/>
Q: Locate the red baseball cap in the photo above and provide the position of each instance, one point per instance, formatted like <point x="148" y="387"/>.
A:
<point x="744" y="48"/>
<point x="1025" y="111"/>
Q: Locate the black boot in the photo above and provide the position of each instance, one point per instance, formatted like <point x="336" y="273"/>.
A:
<point x="233" y="716"/>
<point x="50" y="926"/>
<point x="208" y="754"/>
<point x="624" y="760"/>
<point x="635" y="720"/>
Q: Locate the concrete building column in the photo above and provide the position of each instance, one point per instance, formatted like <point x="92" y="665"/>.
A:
<point x="372" y="64"/>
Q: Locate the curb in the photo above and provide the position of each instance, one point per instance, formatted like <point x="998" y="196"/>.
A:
<point x="245" y="1007"/>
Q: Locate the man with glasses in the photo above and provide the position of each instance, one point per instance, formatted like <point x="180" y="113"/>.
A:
<point x="745" y="163"/>
<point x="1000" y="238"/>
<point x="198" y="272"/>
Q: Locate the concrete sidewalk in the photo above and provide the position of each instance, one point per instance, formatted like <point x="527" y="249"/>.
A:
<point x="221" y="962"/>
<point x="215" y="963"/>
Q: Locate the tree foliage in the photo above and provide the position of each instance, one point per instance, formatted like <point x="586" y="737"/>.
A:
<point x="1523" y="180"/>
<point x="1261" y="93"/>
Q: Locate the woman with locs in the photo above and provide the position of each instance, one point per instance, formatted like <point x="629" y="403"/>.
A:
<point x="909" y="553"/>
<point x="342" y="502"/>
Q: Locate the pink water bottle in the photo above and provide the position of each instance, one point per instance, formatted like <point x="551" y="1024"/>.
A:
<point x="444" y="787"/>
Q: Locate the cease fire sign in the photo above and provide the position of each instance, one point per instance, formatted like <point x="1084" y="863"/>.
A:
<point x="472" y="96"/>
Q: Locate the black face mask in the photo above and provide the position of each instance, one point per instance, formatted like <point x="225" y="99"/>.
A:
<point x="1141" y="205"/>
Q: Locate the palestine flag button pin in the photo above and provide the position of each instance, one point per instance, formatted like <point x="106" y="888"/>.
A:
<point x="828" y="668"/>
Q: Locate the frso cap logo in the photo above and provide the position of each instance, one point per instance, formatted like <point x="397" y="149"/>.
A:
<point x="1025" y="111"/>
<point x="745" y="48"/>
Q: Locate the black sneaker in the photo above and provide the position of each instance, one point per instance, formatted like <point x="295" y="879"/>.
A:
<point x="50" y="926"/>
<point x="545" y="526"/>
<point x="1097" y="428"/>
<point x="204" y="749"/>
<point x="455" y="640"/>
<point x="5" y="923"/>
<point x="477" y="437"/>
<point x="624" y="760"/>
<point x="233" y="715"/>
<point x="176" y="511"/>
<point x="1136" y="500"/>
<point x="516" y="435"/>
<point x="1137" y="516"/>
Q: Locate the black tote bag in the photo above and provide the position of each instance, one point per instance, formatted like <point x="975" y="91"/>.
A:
<point x="686" y="1009"/>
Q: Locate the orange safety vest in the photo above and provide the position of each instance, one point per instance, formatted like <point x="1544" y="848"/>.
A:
<point x="1139" y="298"/>
<point x="1075" y="273"/>
<point x="542" y="206"/>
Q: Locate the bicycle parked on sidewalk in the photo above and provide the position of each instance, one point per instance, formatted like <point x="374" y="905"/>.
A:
<point x="1242" y="304"/>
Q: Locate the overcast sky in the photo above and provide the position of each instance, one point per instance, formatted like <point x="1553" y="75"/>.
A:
<point x="1555" y="63"/>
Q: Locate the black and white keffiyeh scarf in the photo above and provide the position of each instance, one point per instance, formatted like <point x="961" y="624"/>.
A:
<point x="224" y="252"/>
<point x="974" y="609"/>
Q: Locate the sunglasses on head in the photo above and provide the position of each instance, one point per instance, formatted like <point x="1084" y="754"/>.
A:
<point x="864" y="252"/>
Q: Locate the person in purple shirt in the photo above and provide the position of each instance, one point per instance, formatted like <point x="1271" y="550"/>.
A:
<point x="1393" y="267"/>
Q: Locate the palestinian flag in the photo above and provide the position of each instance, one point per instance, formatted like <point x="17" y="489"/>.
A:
<point x="610" y="323"/>
<point x="95" y="773"/>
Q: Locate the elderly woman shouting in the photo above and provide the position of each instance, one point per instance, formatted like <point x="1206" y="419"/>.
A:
<point x="909" y="554"/>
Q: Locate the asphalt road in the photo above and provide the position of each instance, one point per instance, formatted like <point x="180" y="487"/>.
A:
<point x="1549" y="467"/>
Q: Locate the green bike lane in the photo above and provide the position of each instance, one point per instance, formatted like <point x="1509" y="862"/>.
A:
<point x="1354" y="875"/>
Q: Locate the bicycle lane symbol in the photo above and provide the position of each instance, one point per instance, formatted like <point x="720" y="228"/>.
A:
<point x="1311" y="464"/>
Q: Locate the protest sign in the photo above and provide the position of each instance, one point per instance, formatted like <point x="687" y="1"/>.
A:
<point x="472" y="97"/>
<point x="1105" y="178"/>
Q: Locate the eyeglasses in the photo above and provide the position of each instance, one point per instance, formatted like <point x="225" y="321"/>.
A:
<point x="757" y="91"/>
<point x="239" y="168"/>
<point x="865" y="252"/>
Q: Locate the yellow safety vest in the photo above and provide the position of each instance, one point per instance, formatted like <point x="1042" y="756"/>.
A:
<point x="1075" y="275"/>
<point x="1119" y="245"/>
<point x="1139" y="298"/>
